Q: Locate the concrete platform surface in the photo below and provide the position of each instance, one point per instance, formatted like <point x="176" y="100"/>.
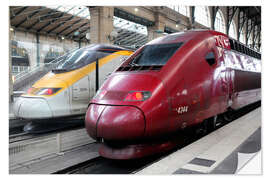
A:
<point x="223" y="151"/>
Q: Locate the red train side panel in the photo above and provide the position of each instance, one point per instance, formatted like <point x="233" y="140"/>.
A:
<point x="201" y="79"/>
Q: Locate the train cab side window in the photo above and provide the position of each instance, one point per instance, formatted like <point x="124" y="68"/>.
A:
<point x="210" y="58"/>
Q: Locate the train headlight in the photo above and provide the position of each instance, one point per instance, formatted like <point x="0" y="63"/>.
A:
<point x="47" y="91"/>
<point x="42" y="91"/>
<point x="137" y="96"/>
<point x="32" y="90"/>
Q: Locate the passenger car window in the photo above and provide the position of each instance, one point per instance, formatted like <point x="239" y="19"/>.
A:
<point x="210" y="58"/>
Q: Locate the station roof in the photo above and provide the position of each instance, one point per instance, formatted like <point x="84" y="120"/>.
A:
<point x="71" y="22"/>
<point x="253" y="13"/>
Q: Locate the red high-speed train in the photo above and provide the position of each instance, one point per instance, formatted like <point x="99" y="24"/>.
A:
<point x="173" y="82"/>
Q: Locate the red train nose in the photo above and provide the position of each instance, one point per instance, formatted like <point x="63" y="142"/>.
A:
<point x="115" y="122"/>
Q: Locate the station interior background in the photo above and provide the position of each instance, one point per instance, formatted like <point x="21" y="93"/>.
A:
<point x="39" y="34"/>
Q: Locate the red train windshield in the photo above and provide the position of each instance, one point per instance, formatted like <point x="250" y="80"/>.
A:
<point x="156" y="54"/>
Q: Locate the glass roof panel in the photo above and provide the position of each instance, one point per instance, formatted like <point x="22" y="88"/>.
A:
<point x="128" y="25"/>
<point x="184" y="10"/>
<point x="81" y="11"/>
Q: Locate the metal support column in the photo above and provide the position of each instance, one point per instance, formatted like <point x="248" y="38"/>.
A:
<point x="38" y="49"/>
<point x="238" y="26"/>
<point x="230" y="14"/>
<point x="192" y="17"/>
<point x="10" y="69"/>
<point x="80" y="44"/>
<point x="214" y="13"/>
<point x="253" y="36"/>
<point x="246" y="35"/>
<point x="97" y="75"/>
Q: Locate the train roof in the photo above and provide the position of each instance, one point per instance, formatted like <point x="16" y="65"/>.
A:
<point x="184" y="36"/>
<point x="97" y="47"/>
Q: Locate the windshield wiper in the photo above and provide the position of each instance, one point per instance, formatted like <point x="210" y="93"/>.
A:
<point x="135" y="59"/>
<point x="59" y="70"/>
<point x="133" y="64"/>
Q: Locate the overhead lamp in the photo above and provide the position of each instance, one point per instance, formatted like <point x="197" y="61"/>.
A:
<point x="136" y="9"/>
<point x="177" y="23"/>
<point x="62" y="37"/>
<point x="113" y="35"/>
<point x="11" y="29"/>
<point x="87" y="36"/>
<point x="158" y="31"/>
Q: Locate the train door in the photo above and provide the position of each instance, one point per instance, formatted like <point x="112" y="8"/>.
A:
<point x="224" y="86"/>
<point x="80" y="96"/>
<point x="179" y="104"/>
<point x="229" y="76"/>
<point x="106" y="69"/>
<point x="230" y="85"/>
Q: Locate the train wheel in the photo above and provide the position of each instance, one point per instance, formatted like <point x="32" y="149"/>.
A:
<point x="228" y="116"/>
<point x="202" y="129"/>
<point x="214" y="122"/>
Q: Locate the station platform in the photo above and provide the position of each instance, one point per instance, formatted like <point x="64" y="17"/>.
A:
<point x="224" y="151"/>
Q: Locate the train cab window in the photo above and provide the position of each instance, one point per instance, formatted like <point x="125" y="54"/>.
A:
<point x="156" y="54"/>
<point x="210" y="58"/>
<point x="78" y="59"/>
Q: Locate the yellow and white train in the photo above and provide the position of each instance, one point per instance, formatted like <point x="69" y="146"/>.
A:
<point x="67" y="90"/>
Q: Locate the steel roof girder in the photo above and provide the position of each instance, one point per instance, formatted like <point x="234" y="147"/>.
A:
<point x="76" y="29"/>
<point x="214" y="14"/>
<point x="29" y="17"/>
<point x="19" y="12"/>
<point x="32" y="25"/>
<point x="69" y="26"/>
<point x="231" y="11"/>
<point x="72" y="17"/>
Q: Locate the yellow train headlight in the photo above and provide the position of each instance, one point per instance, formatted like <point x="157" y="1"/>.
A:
<point x="43" y="91"/>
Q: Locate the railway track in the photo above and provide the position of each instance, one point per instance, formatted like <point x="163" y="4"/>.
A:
<point x="18" y="134"/>
<point x="102" y="165"/>
<point x="26" y="136"/>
